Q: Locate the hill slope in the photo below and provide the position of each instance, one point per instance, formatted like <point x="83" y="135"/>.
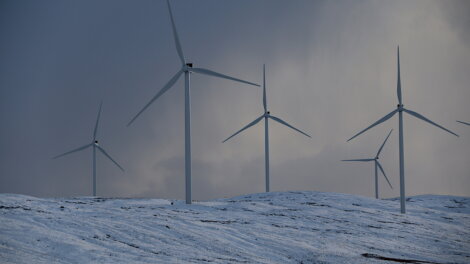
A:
<point x="290" y="227"/>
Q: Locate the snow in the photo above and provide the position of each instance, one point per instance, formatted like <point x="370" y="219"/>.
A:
<point x="283" y="227"/>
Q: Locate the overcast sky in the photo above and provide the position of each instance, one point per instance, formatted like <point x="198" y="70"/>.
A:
<point x="331" y="71"/>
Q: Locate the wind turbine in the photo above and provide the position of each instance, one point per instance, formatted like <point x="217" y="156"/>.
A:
<point x="187" y="69"/>
<point x="266" y="115"/>
<point x="376" y="164"/>
<point x="94" y="144"/>
<point x="400" y="109"/>
<point x="465" y="123"/>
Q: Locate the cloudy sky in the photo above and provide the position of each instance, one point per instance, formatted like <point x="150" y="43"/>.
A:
<point x="331" y="71"/>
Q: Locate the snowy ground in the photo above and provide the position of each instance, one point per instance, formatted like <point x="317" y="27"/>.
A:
<point x="290" y="227"/>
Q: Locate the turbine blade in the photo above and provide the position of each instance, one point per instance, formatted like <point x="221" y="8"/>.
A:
<point x="385" y="141"/>
<point x="246" y="127"/>
<point x="383" y="119"/>
<point x="74" y="150"/>
<point x="264" y="89"/>
<point x="285" y="123"/>
<point x="97" y="121"/>
<point x="175" y="35"/>
<point x="465" y="123"/>
<point x="165" y="88"/>
<point x="216" y="74"/>
<point x="363" y="160"/>
<point x="109" y="157"/>
<point x="398" y="73"/>
<point x="419" y="116"/>
<point x="383" y="172"/>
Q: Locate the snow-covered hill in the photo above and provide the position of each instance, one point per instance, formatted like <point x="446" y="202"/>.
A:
<point x="290" y="227"/>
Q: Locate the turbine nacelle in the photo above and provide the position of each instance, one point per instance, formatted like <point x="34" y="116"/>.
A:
<point x="95" y="142"/>
<point x="187" y="66"/>
<point x="400" y="107"/>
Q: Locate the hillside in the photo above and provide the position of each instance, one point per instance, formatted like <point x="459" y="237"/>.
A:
<point x="288" y="227"/>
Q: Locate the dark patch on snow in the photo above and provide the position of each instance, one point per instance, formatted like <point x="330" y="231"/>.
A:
<point x="274" y="214"/>
<point x="385" y="222"/>
<point x="100" y="200"/>
<point x="233" y="260"/>
<point x="365" y="212"/>
<point x="131" y="245"/>
<point x="346" y="232"/>
<point x="186" y="212"/>
<point x="14" y="207"/>
<point x="292" y="209"/>
<point x="218" y="221"/>
<point x="202" y="259"/>
<point x="78" y="202"/>
<point x="284" y="226"/>
<point x="461" y="204"/>
<point x="21" y="207"/>
<point x="408" y="223"/>
<point x="375" y="256"/>
<point x="315" y="204"/>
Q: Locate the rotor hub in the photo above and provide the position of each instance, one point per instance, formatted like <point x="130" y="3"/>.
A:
<point x="96" y="142"/>
<point x="400" y="107"/>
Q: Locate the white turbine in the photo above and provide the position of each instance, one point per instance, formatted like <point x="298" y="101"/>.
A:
<point x="465" y="123"/>
<point x="187" y="69"/>
<point x="266" y="115"/>
<point x="400" y="109"/>
<point x="94" y="144"/>
<point x="377" y="164"/>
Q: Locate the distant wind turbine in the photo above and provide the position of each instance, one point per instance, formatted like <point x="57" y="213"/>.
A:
<point x="187" y="69"/>
<point x="465" y="123"/>
<point x="400" y="109"/>
<point x="377" y="164"/>
<point x="266" y="115"/>
<point x="94" y="144"/>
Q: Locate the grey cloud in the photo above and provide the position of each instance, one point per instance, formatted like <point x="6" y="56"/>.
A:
<point x="331" y="69"/>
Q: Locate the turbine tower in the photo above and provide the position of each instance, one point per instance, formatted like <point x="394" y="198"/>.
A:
<point x="400" y="109"/>
<point x="186" y="68"/>
<point x="266" y="115"/>
<point x="465" y="123"/>
<point x="376" y="164"/>
<point x="94" y="144"/>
